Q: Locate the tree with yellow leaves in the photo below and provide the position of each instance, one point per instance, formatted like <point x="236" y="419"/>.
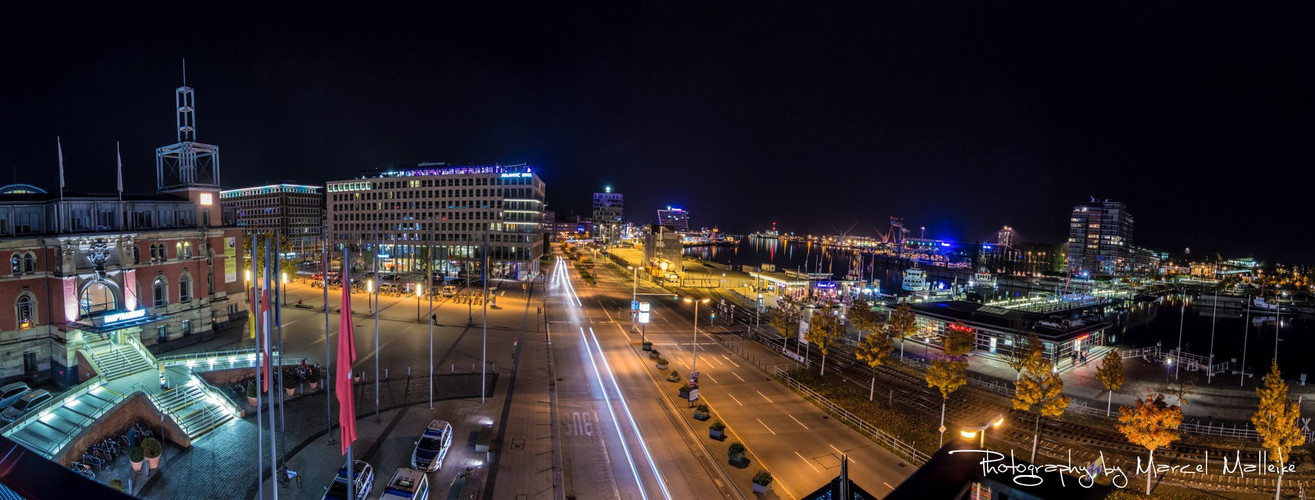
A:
<point x="1110" y="375"/>
<point x="1150" y="423"/>
<point x="786" y="318"/>
<point x="1276" y="420"/>
<point x="824" y="329"/>
<point x="949" y="370"/>
<point x="1039" y="391"/>
<point x="875" y="350"/>
<point x="901" y="324"/>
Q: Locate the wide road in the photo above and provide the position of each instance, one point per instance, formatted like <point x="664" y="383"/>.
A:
<point x="800" y="444"/>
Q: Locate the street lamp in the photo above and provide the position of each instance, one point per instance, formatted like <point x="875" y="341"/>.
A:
<point x="420" y="288"/>
<point x="694" y="365"/>
<point x="285" y="289"/>
<point x="980" y="431"/>
<point x="634" y="295"/>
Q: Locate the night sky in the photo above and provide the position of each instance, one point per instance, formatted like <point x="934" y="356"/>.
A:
<point x="958" y="117"/>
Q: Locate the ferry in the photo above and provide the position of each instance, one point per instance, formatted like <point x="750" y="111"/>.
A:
<point x="982" y="279"/>
<point x="915" y="279"/>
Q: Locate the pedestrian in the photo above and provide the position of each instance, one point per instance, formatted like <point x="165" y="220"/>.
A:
<point x="1084" y="358"/>
<point x="433" y="318"/>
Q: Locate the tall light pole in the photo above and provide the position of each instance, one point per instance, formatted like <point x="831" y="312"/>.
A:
<point x="694" y="365"/>
<point x="429" y="266"/>
<point x="420" y="288"/>
<point x="634" y="295"/>
<point x="375" y="286"/>
<point x="980" y="431"/>
<point x="1182" y="316"/>
<point x="1214" y="313"/>
<point x="484" y="352"/>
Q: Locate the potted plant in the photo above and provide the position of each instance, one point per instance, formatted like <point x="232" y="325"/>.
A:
<point x="251" y="395"/>
<point x="735" y="453"/>
<point x="762" y="481"/>
<point x="662" y="363"/>
<point x="356" y="377"/>
<point x="135" y="456"/>
<point x="151" y="449"/>
<point x="648" y="346"/>
<point x="717" y="430"/>
<point x="313" y="379"/>
<point x="116" y="484"/>
<point x="654" y="354"/>
<point x="684" y="391"/>
<point x="701" y="412"/>
<point x="674" y="376"/>
<point x="290" y="385"/>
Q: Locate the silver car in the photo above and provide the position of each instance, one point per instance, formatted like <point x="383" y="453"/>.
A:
<point x="10" y="393"/>
<point x="25" y="404"/>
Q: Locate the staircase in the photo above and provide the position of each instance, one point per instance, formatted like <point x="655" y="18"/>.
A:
<point x="115" y="361"/>
<point x="194" y="407"/>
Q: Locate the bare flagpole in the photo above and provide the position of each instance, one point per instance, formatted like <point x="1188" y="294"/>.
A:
<point x="273" y="444"/>
<point x="432" y="319"/>
<point x="260" y="361"/>
<point x="278" y="299"/>
<point x="328" y="358"/>
<point x="484" y="356"/>
<point x="376" y="329"/>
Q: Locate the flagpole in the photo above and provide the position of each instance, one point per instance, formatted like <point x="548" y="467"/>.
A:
<point x="59" y="209"/>
<point x="430" y="275"/>
<point x="119" y="157"/>
<point x="346" y="340"/>
<point x="376" y="329"/>
<point x="265" y="314"/>
<point x="328" y="359"/>
<point x="484" y="355"/>
<point x="260" y="363"/>
<point x="278" y="324"/>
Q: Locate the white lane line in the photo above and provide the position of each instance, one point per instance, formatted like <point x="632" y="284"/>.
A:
<point x="769" y="429"/>
<point x="841" y="452"/>
<point x="801" y="424"/>
<point x="737" y="401"/>
<point x="807" y="461"/>
<point x="760" y="393"/>
<point x="709" y="375"/>
<point x="888" y="485"/>
<point x="728" y="360"/>
<point x="709" y="361"/>
<point x="739" y="377"/>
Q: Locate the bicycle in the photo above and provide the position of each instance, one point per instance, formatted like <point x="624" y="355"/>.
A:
<point x="288" y="476"/>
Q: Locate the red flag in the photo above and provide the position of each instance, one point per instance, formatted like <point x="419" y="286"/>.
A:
<point x="346" y="358"/>
<point x="265" y="328"/>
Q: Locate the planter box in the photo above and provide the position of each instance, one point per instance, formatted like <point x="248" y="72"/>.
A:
<point x="648" y="346"/>
<point x="698" y="415"/>
<point x="153" y="462"/>
<point x="761" y="488"/>
<point x="662" y="366"/>
<point x="292" y="391"/>
<point x="716" y="434"/>
<point x="652" y="355"/>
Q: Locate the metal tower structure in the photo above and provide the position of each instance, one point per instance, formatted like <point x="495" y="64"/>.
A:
<point x="187" y="163"/>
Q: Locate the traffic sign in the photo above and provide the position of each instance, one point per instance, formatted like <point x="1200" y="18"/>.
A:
<point x="634" y="305"/>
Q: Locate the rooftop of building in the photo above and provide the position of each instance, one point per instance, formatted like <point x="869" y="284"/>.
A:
<point x="29" y="194"/>
<point x="430" y="169"/>
<point x="271" y="189"/>
<point x="972" y="314"/>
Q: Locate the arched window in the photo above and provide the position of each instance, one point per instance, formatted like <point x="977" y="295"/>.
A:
<point x="24" y="311"/>
<point x="161" y="292"/>
<point x="185" y="288"/>
<point x="154" y="255"/>
<point x="164" y="252"/>
<point x="136" y="255"/>
<point x="17" y="263"/>
<point x="96" y="298"/>
<point x="29" y="263"/>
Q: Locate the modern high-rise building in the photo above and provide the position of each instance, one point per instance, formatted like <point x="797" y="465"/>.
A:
<point x="400" y="212"/>
<point x="1006" y="237"/>
<point x="674" y="218"/>
<point x="1100" y="238"/>
<point x="296" y="211"/>
<point x="609" y="209"/>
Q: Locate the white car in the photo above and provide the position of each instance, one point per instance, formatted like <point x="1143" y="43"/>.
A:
<point x="25" y="404"/>
<point x="407" y="484"/>
<point x="10" y="393"/>
<point x="363" y="476"/>
<point x="432" y="447"/>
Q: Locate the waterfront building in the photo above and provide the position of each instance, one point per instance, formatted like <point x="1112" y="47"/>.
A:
<point x="664" y="252"/>
<point x="609" y="210"/>
<point x="999" y="331"/>
<point x="674" y="218"/>
<point x="297" y="211"/>
<point x="1006" y="237"/>
<point x="456" y="208"/>
<point x="1100" y="238"/>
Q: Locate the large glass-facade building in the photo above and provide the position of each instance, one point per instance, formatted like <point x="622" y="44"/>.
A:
<point x="400" y="213"/>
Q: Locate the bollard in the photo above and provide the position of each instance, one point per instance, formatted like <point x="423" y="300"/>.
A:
<point x="408" y="372"/>
<point x="454" y="367"/>
<point x="385" y="374"/>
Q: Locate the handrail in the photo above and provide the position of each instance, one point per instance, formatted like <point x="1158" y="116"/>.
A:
<point x="77" y="390"/>
<point x="918" y="457"/>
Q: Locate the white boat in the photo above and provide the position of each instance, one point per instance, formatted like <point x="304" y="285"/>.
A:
<point x="915" y="279"/>
<point x="982" y="279"/>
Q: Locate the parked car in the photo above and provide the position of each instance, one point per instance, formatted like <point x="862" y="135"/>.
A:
<point x="363" y="479"/>
<point x="407" y="484"/>
<point x="11" y="392"/>
<point x="25" y="404"/>
<point x="449" y="291"/>
<point x="432" y="447"/>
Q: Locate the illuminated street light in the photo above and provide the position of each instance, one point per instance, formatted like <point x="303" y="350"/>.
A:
<point x="970" y="433"/>
<point x="694" y="366"/>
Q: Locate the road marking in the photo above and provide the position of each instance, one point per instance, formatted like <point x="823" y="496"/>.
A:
<point x="801" y="424"/>
<point x="709" y="375"/>
<point x="760" y="393"/>
<point x="769" y="429"/>
<point x="807" y="461"/>
<point x="737" y="401"/>
<point x="728" y="360"/>
<point x="841" y="452"/>
<point x="739" y="377"/>
<point x="888" y="485"/>
<point x="708" y="361"/>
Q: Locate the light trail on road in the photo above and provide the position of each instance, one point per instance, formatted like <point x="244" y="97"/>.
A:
<point x="643" y="445"/>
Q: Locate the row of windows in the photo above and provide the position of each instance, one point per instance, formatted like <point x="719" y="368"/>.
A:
<point x="26" y="263"/>
<point x="396" y="216"/>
